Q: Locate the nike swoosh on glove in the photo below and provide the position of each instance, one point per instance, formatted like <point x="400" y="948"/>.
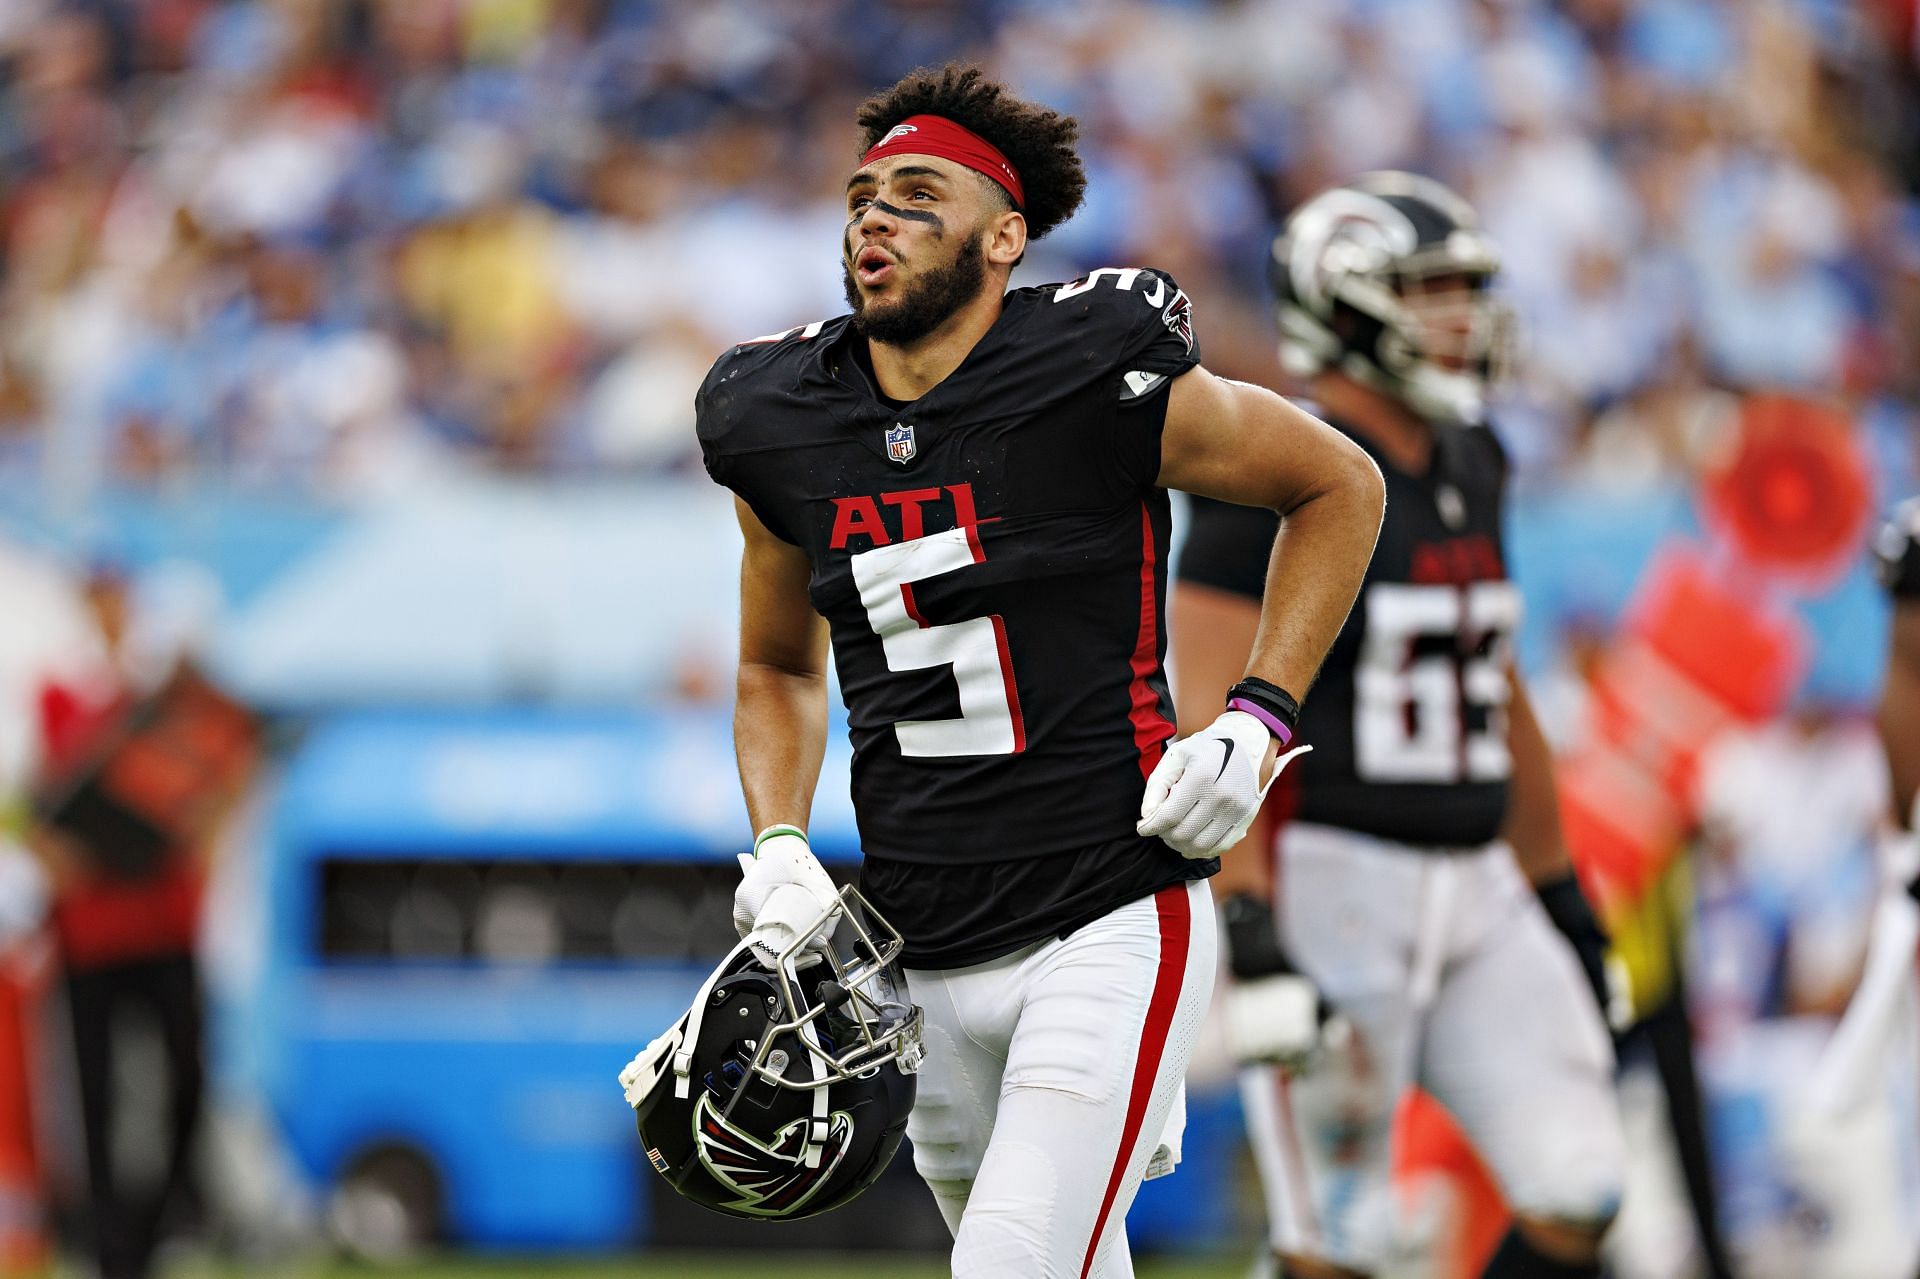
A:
<point x="783" y="893"/>
<point x="1205" y="791"/>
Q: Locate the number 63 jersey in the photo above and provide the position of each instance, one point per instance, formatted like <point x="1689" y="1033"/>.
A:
<point x="1408" y="716"/>
<point x="990" y="560"/>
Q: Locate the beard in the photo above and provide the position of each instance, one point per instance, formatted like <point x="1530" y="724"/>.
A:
<point x="924" y="305"/>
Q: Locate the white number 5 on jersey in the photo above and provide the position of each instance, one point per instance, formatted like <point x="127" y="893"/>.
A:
<point x="989" y="722"/>
<point x="1409" y="705"/>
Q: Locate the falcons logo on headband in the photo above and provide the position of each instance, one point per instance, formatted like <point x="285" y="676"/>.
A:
<point x="772" y="1181"/>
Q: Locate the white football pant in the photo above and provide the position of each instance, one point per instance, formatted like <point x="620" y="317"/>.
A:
<point x="1052" y="1078"/>
<point x="1451" y="976"/>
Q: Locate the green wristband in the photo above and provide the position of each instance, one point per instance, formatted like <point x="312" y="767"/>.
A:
<point x="771" y="831"/>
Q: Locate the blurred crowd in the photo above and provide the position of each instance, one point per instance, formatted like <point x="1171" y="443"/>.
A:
<point x="344" y="247"/>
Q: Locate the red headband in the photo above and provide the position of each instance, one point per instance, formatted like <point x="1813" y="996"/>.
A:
<point x="939" y="136"/>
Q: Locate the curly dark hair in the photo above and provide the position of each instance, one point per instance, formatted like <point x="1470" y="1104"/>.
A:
<point x="1038" y="142"/>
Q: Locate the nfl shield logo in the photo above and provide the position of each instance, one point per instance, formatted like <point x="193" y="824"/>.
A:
<point x="900" y="442"/>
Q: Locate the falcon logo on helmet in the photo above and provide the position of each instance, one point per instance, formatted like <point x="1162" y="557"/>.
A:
<point x="783" y="1091"/>
<point x="771" y="1180"/>
<point x="1355" y="274"/>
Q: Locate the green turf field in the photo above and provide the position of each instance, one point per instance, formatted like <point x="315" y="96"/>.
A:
<point x="666" y="1266"/>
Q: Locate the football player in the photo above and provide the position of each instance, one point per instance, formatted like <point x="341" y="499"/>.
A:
<point x="1400" y="906"/>
<point x="962" y="491"/>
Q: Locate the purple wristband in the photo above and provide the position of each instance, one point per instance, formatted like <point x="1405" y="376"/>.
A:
<point x="1265" y="716"/>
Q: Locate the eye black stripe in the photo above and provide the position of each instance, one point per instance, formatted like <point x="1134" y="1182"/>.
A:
<point x="912" y="215"/>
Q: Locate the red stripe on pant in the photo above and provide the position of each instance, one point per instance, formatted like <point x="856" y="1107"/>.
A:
<point x="1176" y="926"/>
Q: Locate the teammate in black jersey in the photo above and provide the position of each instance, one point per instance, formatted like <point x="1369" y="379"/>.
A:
<point x="963" y="490"/>
<point x="1399" y="898"/>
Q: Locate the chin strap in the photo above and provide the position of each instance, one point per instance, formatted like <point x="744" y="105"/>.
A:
<point x="817" y="1127"/>
<point x="683" y="1056"/>
<point x="644" y="1071"/>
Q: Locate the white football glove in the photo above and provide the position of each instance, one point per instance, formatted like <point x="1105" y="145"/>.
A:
<point x="1206" y="789"/>
<point x="782" y="894"/>
<point x="1273" y="1020"/>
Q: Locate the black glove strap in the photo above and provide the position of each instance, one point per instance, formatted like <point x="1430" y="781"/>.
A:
<point x="1253" y="939"/>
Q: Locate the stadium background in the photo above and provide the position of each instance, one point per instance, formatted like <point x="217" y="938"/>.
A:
<point x="353" y="343"/>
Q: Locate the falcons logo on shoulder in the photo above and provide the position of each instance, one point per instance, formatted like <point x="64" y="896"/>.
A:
<point x="1178" y="317"/>
<point x="770" y="1180"/>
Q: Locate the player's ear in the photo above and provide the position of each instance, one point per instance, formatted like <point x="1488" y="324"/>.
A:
<point x="1006" y="238"/>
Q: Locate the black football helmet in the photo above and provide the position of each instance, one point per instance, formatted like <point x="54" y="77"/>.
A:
<point x="783" y="1091"/>
<point x="1350" y="274"/>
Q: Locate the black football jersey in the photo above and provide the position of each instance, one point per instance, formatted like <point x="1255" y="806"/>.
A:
<point x="991" y="562"/>
<point x="1897" y="552"/>
<point x="1407" y="718"/>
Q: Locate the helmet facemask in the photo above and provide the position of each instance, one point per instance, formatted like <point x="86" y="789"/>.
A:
<point x="854" y="1021"/>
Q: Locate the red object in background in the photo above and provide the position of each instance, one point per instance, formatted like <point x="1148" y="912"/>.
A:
<point x="1428" y="1150"/>
<point x="23" y="1242"/>
<point x="1791" y="495"/>
<point x="71" y="725"/>
<point x="1620" y="828"/>
<point x="1697" y="657"/>
<point x="1723" y="640"/>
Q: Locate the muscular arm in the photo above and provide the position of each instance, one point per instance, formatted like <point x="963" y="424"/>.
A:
<point x="1900" y="708"/>
<point x="1213" y="630"/>
<point x="1533" y="808"/>
<point x="1244" y="444"/>
<point x="780" y="714"/>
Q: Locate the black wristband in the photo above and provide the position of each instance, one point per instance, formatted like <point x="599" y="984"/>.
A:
<point x="1271" y="698"/>
<point x="1253" y="939"/>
